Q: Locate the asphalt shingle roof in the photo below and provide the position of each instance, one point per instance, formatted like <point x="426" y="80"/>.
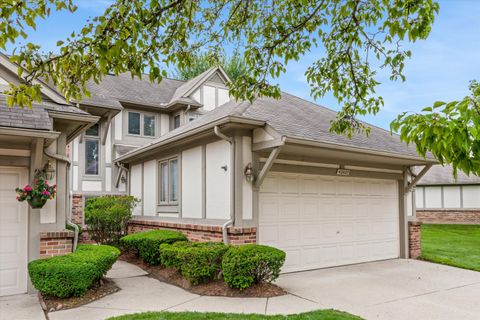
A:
<point x="443" y="175"/>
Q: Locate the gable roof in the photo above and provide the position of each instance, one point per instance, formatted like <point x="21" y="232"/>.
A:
<point x="443" y="175"/>
<point x="295" y="118"/>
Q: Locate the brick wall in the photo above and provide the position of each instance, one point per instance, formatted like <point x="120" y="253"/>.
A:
<point x="55" y="243"/>
<point x="196" y="232"/>
<point x="77" y="209"/>
<point x="414" y="239"/>
<point x="448" y="216"/>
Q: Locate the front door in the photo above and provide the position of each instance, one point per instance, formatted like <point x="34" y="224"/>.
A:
<point x="13" y="232"/>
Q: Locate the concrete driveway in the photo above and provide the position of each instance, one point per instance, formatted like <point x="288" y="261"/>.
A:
<point x="393" y="289"/>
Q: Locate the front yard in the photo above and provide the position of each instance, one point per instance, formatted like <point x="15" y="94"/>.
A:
<point x="454" y="245"/>
<point x="314" y="315"/>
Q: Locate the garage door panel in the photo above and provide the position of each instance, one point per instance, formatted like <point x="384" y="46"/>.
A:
<point x="330" y="220"/>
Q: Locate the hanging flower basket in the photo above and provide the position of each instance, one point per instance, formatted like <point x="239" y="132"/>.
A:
<point x="37" y="194"/>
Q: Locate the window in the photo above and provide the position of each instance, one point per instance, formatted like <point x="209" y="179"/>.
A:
<point x="92" y="150"/>
<point x="169" y="181"/>
<point x="139" y="123"/>
<point x="148" y="125"/>
<point x="176" y="121"/>
<point x="134" y="123"/>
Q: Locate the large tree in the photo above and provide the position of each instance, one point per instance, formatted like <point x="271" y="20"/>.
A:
<point x="357" y="37"/>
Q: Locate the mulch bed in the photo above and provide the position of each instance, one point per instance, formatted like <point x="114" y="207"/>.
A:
<point x="215" y="288"/>
<point x="99" y="290"/>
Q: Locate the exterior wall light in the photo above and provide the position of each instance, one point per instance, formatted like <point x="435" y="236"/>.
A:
<point x="48" y="171"/>
<point x="248" y="172"/>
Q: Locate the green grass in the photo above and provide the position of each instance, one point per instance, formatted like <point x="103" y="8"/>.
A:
<point x="314" y="315"/>
<point x="452" y="244"/>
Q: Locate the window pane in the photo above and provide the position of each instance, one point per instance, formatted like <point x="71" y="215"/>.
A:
<point x="91" y="156"/>
<point x="149" y="125"/>
<point x="92" y="131"/>
<point x="163" y="181"/>
<point x="174" y="180"/>
<point x="133" y="123"/>
<point x="176" y="121"/>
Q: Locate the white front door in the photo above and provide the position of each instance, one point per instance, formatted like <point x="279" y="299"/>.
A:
<point x="13" y="232"/>
<point x="325" y="221"/>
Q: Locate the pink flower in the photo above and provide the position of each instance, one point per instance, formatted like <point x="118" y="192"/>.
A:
<point x="27" y="188"/>
<point x="45" y="193"/>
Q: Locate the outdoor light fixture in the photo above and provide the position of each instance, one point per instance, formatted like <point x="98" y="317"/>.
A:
<point x="249" y="172"/>
<point x="48" y="171"/>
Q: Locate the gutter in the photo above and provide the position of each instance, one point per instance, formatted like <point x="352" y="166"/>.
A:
<point x="231" y="221"/>
<point x="65" y="159"/>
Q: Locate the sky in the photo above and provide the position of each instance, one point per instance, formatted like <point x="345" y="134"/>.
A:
<point x="440" y="68"/>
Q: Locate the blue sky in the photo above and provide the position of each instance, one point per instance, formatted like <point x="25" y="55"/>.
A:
<point x="439" y="69"/>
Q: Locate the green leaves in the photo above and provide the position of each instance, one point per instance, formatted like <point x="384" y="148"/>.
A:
<point x="450" y="134"/>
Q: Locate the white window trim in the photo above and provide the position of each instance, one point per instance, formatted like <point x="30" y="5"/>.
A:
<point x="93" y="138"/>
<point x="142" y="124"/>
<point x="169" y="182"/>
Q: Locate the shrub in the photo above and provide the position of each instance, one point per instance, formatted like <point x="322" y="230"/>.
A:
<point x="72" y="274"/>
<point x="108" y="216"/>
<point x="246" y="265"/>
<point x="197" y="262"/>
<point x="147" y="244"/>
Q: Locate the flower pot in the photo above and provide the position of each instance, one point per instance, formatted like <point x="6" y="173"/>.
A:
<point x="36" y="203"/>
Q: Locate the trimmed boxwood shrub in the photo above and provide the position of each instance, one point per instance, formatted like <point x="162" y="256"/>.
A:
<point x="197" y="262"/>
<point x="72" y="274"/>
<point x="147" y="244"/>
<point x="246" y="265"/>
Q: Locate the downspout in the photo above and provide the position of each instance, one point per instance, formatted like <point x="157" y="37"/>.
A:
<point x="65" y="159"/>
<point x="231" y="221"/>
<point x="186" y="114"/>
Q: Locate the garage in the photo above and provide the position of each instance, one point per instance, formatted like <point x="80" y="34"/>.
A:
<point x="324" y="221"/>
<point x="13" y="232"/>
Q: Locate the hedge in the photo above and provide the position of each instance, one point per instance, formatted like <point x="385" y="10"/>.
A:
<point x="72" y="274"/>
<point x="197" y="262"/>
<point x="147" y="244"/>
<point x="246" y="265"/>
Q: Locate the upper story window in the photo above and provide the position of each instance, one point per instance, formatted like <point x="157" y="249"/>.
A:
<point x="92" y="150"/>
<point x="176" y="121"/>
<point x="141" y="124"/>
<point x="169" y="181"/>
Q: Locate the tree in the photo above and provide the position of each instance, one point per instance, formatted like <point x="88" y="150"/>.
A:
<point x="357" y="36"/>
<point x="233" y="65"/>
<point x="450" y="131"/>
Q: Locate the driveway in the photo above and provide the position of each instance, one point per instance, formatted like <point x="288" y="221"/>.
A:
<point x="393" y="289"/>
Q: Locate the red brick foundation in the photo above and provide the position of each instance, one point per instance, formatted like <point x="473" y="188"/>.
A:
<point x="448" y="216"/>
<point x="56" y="243"/>
<point x="196" y="232"/>
<point x="414" y="239"/>
<point x="77" y="209"/>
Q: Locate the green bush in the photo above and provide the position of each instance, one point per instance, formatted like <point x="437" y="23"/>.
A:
<point x="72" y="274"/>
<point x="246" y="265"/>
<point x="197" y="262"/>
<point x="107" y="217"/>
<point x="147" y="244"/>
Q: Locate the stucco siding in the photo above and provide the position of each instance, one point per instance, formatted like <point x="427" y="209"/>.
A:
<point x="247" y="190"/>
<point x="136" y="185"/>
<point x="218" y="180"/>
<point x="192" y="183"/>
<point x="149" y="188"/>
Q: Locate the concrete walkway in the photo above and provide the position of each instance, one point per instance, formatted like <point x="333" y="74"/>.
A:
<point x="21" y="307"/>
<point x="393" y="289"/>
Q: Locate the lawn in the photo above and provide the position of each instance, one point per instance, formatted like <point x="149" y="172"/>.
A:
<point x="314" y="315"/>
<point x="452" y="244"/>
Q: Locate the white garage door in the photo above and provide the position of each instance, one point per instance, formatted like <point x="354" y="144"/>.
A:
<point x="13" y="233"/>
<point x="324" y="221"/>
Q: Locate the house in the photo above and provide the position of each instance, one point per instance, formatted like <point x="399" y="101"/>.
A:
<point x="270" y="172"/>
<point x="440" y="198"/>
<point x="133" y="113"/>
<point x="32" y="140"/>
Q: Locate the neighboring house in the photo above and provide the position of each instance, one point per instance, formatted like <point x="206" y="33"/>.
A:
<point x="440" y="198"/>
<point x="133" y="113"/>
<point x="271" y="172"/>
<point x="30" y="139"/>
